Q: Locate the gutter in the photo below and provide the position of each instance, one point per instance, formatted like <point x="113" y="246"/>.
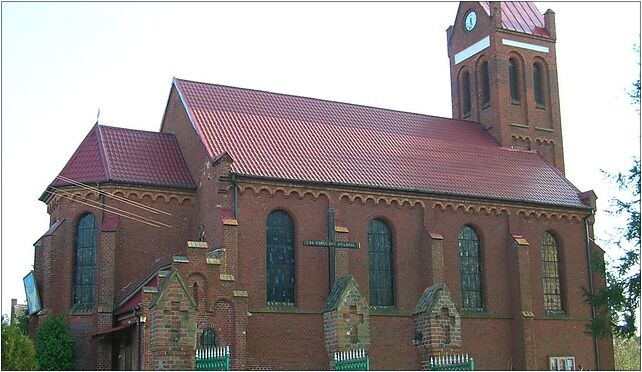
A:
<point x="596" y="346"/>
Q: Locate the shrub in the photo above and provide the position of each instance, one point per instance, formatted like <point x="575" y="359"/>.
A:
<point x="55" y="345"/>
<point x="17" y="349"/>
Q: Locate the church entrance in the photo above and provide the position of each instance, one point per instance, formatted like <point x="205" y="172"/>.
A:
<point x="122" y="352"/>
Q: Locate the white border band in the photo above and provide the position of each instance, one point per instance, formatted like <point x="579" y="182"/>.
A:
<point x="472" y="50"/>
<point x="519" y="44"/>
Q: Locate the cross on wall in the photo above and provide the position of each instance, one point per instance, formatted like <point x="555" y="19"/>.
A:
<point x="331" y="244"/>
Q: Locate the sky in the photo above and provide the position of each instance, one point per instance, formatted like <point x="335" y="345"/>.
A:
<point x="62" y="62"/>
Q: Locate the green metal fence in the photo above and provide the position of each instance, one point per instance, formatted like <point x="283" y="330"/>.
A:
<point x="351" y="360"/>
<point x="452" y="363"/>
<point x="213" y="359"/>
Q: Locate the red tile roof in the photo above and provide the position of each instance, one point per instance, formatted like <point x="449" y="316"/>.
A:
<point x="127" y="155"/>
<point x="520" y="16"/>
<point x="302" y="139"/>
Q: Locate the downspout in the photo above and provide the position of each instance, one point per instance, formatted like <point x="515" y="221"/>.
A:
<point x="596" y="347"/>
<point x="236" y="195"/>
<point x="138" y="330"/>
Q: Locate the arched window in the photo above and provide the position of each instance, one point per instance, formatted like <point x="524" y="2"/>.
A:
<point x="470" y="269"/>
<point x="538" y="84"/>
<point x="466" y="100"/>
<point x="551" y="273"/>
<point x="85" y="262"/>
<point x="485" y="85"/>
<point x="208" y="339"/>
<point x="380" y="264"/>
<point x="280" y="258"/>
<point x="513" y="77"/>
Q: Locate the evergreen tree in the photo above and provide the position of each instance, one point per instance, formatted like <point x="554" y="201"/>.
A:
<point x="55" y="345"/>
<point x="618" y="303"/>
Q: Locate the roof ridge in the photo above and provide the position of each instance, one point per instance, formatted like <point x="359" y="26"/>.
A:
<point x="190" y="115"/>
<point x="324" y="100"/>
<point x="141" y="284"/>
<point x="135" y="130"/>
<point x="103" y="154"/>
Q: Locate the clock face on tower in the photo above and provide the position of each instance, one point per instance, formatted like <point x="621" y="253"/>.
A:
<point x="470" y="21"/>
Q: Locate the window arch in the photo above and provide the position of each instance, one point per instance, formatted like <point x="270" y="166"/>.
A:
<point x="85" y="262"/>
<point x="280" y="258"/>
<point x="551" y="273"/>
<point x="380" y="264"/>
<point x="208" y="339"/>
<point x="485" y="84"/>
<point x="470" y="269"/>
<point x="513" y="78"/>
<point x="539" y="78"/>
<point x="466" y="99"/>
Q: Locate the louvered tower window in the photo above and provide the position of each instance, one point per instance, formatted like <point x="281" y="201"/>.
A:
<point x="380" y="264"/>
<point x="208" y="339"/>
<point x="466" y="100"/>
<point x="551" y="273"/>
<point x="485" y="85"/>
<point x="470" y="269"/>
<point x="85" y="262"/>
<point x="280" y="258"/>
<point x="513" y="78"/>
<point x="538" y="84"/>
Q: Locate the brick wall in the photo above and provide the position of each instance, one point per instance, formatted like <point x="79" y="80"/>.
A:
<point x="411" y="265"/>
<point x="263" y="337"/>
<point x="274" y="343"/>
<point x="173" y="329"/>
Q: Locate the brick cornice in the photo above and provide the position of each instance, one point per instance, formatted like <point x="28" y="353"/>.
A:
<point x="72" y="193"/>
<point x="403" y="198"/>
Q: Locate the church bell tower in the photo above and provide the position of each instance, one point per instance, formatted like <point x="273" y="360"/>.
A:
<point x="503" y="74"/>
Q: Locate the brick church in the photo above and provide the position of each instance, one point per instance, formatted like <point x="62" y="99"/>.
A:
<point x="287" y="229"/>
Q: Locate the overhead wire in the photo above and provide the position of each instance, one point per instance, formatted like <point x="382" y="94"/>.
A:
<point x="113" y="196"/>
<point x="108" y="208"/>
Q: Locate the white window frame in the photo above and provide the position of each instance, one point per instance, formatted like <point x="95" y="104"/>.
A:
<point x="561" y="363"/>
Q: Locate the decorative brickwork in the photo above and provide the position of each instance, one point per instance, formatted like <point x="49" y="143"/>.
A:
<point x="208" y="270"/>
<point x="173" y="326"/>
<point x="346" y="318"/>
<point x="437" y="325"/>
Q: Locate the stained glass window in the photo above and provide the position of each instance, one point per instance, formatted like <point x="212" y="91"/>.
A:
<point x="470" y="269"/>
<point x="85" y="262"/>
<point x="514" y="81"/>
<point x="280" y="258"/>
<point x="380" y="264"/>
<point x="551" y="273"/>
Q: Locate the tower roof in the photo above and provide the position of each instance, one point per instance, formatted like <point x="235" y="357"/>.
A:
<point x="129" y="156"/>
<point x="294" y="138"/>
<point x="520" y="16"/>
